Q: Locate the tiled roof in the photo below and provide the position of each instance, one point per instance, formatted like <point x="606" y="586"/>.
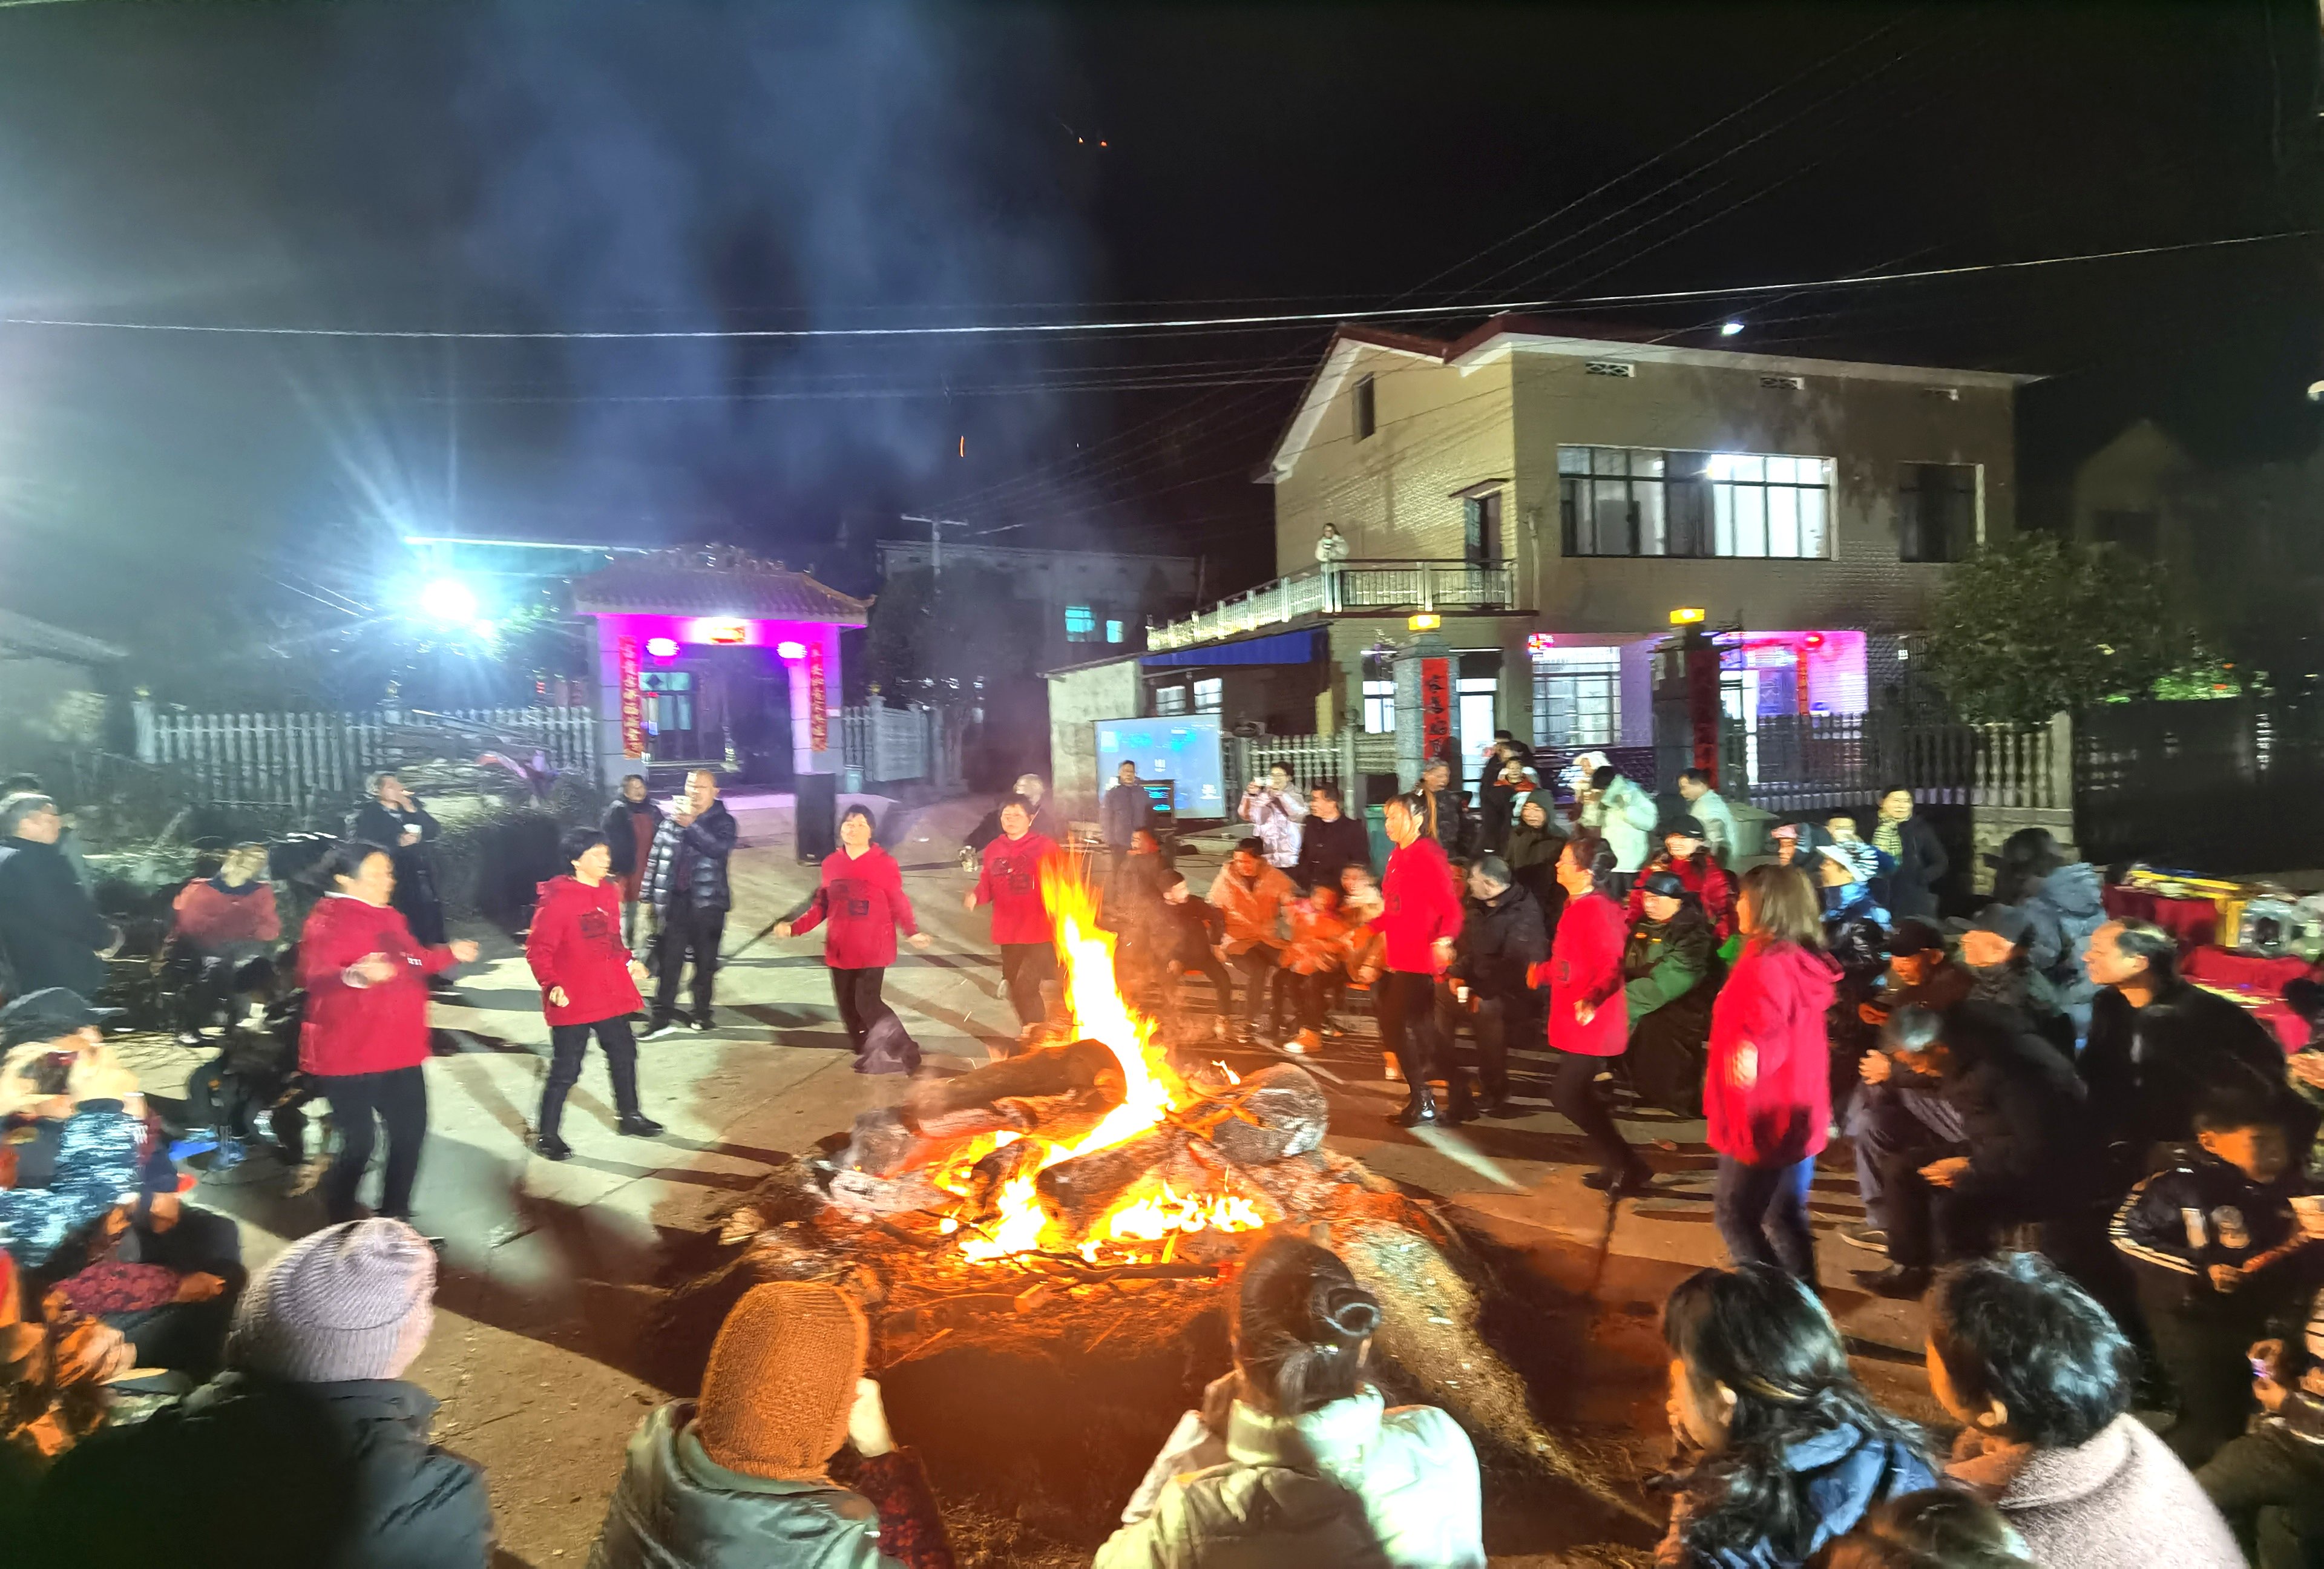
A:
<point x="712" y="582"/>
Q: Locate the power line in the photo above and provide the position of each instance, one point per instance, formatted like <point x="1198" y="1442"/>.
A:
<point x="986" y="329"/>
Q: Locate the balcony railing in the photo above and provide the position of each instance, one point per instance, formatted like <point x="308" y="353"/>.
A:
<point x="1350" y="588"/>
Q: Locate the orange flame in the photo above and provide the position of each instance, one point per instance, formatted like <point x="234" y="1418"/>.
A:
<point x="1099" y="1012"/>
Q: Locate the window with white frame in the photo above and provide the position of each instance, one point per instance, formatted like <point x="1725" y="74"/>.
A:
<point x="1210" y="695"/>
<point x="1169" y="700"/>
<point x="1379" y="707"/>
<point x="1577" y="697"/>
<point x="1622" y="501"/>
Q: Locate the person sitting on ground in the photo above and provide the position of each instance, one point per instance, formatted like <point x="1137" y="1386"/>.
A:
<point x="2025" y="1155"/>
<point x="2157" y="1042"/>
<point x="312" y="1416"/>
<point x="1329" y="840"/>
<point x="1687" y="855"/>
<point x="1312" y="960"/>
<point x="1996" y="953"/>
<point x="222" y="938"/>
<point x="1707" y="807"/>
<point x="1501" y="941"/>
<point x="1938" y="1527"/>
<point x="1782" y="1450"/>
<point x="2269" y="1483"/>
<point x="2218" y="1250"/>
<point x="1849" y="870"/>
<point x="1536" y="839"/>
<point x="1897" y="1114"/>
<point x="76" y="1141"/>
<point x="1670" y="977"/>
<point x="1920" y="974"/>
<point x="2040" y="1380"/>
<point x="785" y="1460"/>
<point x="50" y="933"/>
<point x="1251" y="893"/>
<point x="1296" y="1457"/>
<point x="1133" y="886"/>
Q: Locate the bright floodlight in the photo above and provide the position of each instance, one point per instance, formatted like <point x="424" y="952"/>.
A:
<point x="1729" y="329"/>
<point x="447" y="600"/>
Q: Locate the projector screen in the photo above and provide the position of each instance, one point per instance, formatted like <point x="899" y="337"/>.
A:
<point x="1183" y="748"/>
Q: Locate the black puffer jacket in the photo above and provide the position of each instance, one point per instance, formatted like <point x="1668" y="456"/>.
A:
<point x="622" y="835"/>
<point x="256" y="1473"/>
<point x="694" y="858"/>
<point x="2022" y="1112"/>
<point x="50" y="931"/>
<point x="1501" y="938"/>
<point x="2147" y="1066"/>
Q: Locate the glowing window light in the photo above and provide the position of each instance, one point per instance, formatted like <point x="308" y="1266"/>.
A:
<point x="663" y="648"/>
<point x="1540" y="642"/>
<point x="722" y="629"/>
<point x="791" y="651"/>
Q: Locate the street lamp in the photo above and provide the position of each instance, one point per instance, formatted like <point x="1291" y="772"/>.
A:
<point x="448" y="601"/>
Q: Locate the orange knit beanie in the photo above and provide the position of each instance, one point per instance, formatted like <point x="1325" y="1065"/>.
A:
<point x="782" y="1380"/>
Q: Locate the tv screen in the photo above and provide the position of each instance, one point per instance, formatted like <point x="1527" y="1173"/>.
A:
<point x="1183" y="748"/>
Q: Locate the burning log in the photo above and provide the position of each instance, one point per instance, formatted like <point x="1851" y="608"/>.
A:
<point x="949" y="1107"/>
<point x="1270" y="1116"/>
<point x="1079" y="1192"/>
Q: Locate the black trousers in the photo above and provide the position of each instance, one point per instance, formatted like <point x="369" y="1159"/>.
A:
<point x="568" y="1044"/>
<point x="2271" y="1486"/>
<point x="1023" y="967"/>
<point x="860" y="1006"/>
<point x="188" y="1336"/>
<point x="1201" y="960"/>
<point x="2203" y="1351"/>
<point x="398" y="1098"/>
<point x="1573" y="1091"/>
<point x="1258" y="963"/>
<point x="1406" y="1005"/>
<point x="1497" y="1022"/>
<point x="1929" y="1225"/>
<point x="688" y="933"/>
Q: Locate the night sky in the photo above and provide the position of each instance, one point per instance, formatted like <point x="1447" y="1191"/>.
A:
<point x="589" y="166"/>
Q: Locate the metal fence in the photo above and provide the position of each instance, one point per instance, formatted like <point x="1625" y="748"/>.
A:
<point x="1792" y="762"/>
<point x="286" y="761"/>
<point x="894" y="746"/>
<point x="1343" y="758"/>
<point x="1352" y="585"/>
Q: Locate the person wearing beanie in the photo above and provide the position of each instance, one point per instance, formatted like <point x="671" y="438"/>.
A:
<point x="309" y="1450"/>
<point x="744" y="1478"/>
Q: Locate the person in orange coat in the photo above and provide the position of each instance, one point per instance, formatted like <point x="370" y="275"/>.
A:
<point x="1589" y="1017"/>
<point x="1317" y="956"/>
<point x="365" y="1032"/>
<point x="1252" y="895"/>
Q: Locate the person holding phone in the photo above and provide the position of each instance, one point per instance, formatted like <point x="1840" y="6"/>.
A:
<point x="395" y="820"/>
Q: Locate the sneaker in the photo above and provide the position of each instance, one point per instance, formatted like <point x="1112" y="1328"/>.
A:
<point x="549" y="1147"/>
<point x="701" y="1026"/>
<point x="668" y="1027"/>
<point x="1871" y="1239"/>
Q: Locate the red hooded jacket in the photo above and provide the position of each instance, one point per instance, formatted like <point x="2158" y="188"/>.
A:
<point x="209" y="918"/>
<point x="1419" y="904"/>
<point x="862" y="896"/>
<point x="1585" y="965"/>
<point x="576" y="943"/>
<point x="363" y="1030"/>
<point x="1766" y="1093"/>
<point x="1704" y="878"/>
<point x="1011" y="884"/>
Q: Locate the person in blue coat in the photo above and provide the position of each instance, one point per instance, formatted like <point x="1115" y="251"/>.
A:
<point x="1787" y="1451"/>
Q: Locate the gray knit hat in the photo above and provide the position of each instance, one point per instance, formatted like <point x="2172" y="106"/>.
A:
<point x="352" y="1301"/>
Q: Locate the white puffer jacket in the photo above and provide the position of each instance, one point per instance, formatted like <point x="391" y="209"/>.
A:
<point x="1349" y="1483"/>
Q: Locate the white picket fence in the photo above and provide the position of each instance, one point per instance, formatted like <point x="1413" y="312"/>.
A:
<point x="292" y="760"/>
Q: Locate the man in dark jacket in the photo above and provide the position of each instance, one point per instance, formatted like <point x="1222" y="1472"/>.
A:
<point x="2026" y="1152"/>
<point x="1670" y="978"/>
<point x="394" y="820"/>
<point x="1127" y="807"/>
<point x="310" y="1451"/>
<point x="1995" y="951"/>
<point x="1501" y="939"/>
<point x="2063" y="910"/>
<point x="1330" y="841"/>
<point x="686" y="882"/>
<point x="50" y="930"/>
<point x="1918" y="854"/>
<point x="1446" y="818"/>
<point x="2158" y="1043"/>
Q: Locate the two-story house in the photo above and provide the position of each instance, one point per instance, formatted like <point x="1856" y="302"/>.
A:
<point x="1552" y="493"/>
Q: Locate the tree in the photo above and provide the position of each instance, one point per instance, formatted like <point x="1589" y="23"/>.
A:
<point x="2035" y="625"/>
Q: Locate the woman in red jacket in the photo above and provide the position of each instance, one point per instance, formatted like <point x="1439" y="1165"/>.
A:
<point x="1420" y="916"/>
<point x="1766" y="1092"/>
<point x="1589" y="1016"/>
<point x="862" y="896"/>
<point x="365" y="1032"/>
<point x="588" y="982"/>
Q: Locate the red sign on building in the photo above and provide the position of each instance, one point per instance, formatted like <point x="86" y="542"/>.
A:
<point x="1435" y="706"/>
<point x="633" y="703"/>
<point x="819" y="715"/>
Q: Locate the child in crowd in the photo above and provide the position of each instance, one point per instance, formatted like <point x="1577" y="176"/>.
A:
<point x="1296" y="1457"/>
<point x="1314" y="959"/>
<point x="2211" y="1241"/>
<point x="1781" y="1451"/>
<point x="2270" y="1483"/>
<point x="1191" y="932"/>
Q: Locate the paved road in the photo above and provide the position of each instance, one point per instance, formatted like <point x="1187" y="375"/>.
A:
<point x="546" y="1262"/>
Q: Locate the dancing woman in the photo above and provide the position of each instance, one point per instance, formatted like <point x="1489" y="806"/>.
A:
<point x="588" y="984"/>
<point x="862" y="896"/>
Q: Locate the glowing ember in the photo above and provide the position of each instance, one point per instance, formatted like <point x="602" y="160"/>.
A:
<point x="1085" y="956"/>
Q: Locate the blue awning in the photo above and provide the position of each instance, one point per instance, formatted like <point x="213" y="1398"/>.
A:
<point x="1282" y="648"/>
